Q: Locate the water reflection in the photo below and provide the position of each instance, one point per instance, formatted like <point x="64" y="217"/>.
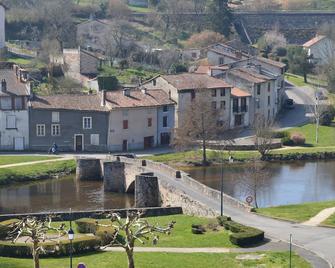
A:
<point x="60" y="194"/>
<point x="289" y="183"/>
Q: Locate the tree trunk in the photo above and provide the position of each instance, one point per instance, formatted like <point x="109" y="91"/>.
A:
<point x="130" y="255"/>
<point x="36" y="256"/>
<point x="305" y="78"/>
<point x="204" y="156"/>
<point x="255" y="197"/>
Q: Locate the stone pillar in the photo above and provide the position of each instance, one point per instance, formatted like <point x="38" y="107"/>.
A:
<point x="88" y="169"/>
<point x="114" y="177"/>
<point x="146" y="191"/>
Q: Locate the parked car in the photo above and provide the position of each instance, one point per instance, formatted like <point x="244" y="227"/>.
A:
<point x="289" y="104"/>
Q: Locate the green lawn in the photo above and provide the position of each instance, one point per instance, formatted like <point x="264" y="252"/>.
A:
<point x="140" y="9"/>
<point x="126" y="75"/>
<point x="14" y="159"/>
<point x="326" y="134"/>
<point x="35" y="171"/>
<point x="297" y="213"/>
<point x="297" y="80"/>
<point x="330" y="221"/>
<point x="182" y="236"/>
<point x="164" y="260"/>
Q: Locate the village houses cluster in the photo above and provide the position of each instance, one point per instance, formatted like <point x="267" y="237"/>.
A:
<point x="239" y="84"/>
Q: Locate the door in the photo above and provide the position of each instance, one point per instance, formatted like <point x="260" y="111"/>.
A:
<point x="165" y="138"/>
<point x="125" y="146"/>
<point x="19" y="144"/>
<point x="148" y="142"/>
<point x="238" y="120"/>
<point x="79" y="143"/>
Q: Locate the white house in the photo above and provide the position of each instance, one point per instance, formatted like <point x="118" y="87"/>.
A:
<point x="321" y="49"/>
<point x="14" y="115"/>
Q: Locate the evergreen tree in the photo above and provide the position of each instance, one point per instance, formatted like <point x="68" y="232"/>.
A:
<point x="220" y="16"/>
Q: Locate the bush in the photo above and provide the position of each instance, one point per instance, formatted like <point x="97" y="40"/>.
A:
<point x="280" y="134"/>
<point x="80" y="245"/>
<point x="281" y="51"/>
<point x="298" y="138"/>
<point x="5" y="227"/>
<point x="105" y="234"/>
<point x="287" y="141"/>
<point x="86" y="226"/>
<point x="198" y="229"/>
<point x="326" y="118"/>
<point x="242" y="235"/>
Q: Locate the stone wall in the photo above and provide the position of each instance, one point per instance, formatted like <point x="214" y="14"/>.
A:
<point x="88" y="169"/>
<point x="147" y="191"/>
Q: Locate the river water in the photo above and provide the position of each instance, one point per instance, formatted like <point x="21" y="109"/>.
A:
<point x="59" y="195"/>
<point x="286" y="183"/>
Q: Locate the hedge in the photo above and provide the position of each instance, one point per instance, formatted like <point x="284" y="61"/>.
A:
<point x="86" y="226"/>
<point x="242" y="235"/>
<point x="23" y="250"/>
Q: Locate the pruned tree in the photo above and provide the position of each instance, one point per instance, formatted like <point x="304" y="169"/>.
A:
<point x="263" y="134"/>
<point x="35" y="231"/>
<point x="134" y="229"/>
<point x="254" y="180"/>
<point x="199" y="124"/>
<point x="299" y="61"/>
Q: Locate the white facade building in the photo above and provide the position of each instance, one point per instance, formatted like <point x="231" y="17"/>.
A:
<point x="320" y="49"/>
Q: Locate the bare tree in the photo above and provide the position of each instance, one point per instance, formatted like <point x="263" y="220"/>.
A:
<point x="255" y="179"/>
<point x="134" y="229"/>
<point x="204" y="39"/>
<point x="263" y="134"/>
<point x="118" y="9"/>
<point x="35" y="231"/>
<point x="166" y="59"/>
<point x="199" y="123"/>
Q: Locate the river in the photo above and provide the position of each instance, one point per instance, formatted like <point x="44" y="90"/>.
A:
<point x="286" y="183"/>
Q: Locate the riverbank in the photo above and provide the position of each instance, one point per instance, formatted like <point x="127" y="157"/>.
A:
<point x="36" y="172"/>
<point x="15" y="159"/>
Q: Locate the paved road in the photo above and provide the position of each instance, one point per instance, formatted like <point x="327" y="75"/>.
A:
<point x="316" y="239"/>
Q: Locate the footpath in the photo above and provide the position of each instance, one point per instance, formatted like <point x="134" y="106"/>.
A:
<point x="36" y="162"/>
<point x="320" y="217"/>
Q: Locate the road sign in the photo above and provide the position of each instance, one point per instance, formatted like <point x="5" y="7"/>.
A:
<point x="81" y="265"/>
<point x="249" y="199"/>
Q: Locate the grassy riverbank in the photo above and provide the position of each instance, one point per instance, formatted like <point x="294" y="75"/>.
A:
<point x="35" y="172"/>
<point x="164" y="260"/>
<point x="15" y="159"/>
<point x="297" y="213"/>
<point x="330" y="221"/>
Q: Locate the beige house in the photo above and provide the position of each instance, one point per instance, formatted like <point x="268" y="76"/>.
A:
<point x="139" y="118"/>
<point x="184" y="87"/>
<point x="320" y="49"/>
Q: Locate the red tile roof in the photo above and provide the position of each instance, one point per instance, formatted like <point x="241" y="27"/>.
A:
<point x="187" y="81"/>
<point x="271" y="62"/>
<point x="249" y="75"/>
<point x="237" y="92"/>
<point x="137" y="98"/>
<point x="69" y="102"/>
<point x="313" y="41"/>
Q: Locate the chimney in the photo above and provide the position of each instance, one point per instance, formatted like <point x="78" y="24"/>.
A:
<point x="154" y="82"/>
<point x="144" y="90"/>
<point x="170" y="94"/>
<point x="126" y="92"/>
<point x="3" y="85"/>
<point x="103" y="98"/>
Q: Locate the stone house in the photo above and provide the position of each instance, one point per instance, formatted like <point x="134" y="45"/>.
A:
<point x="74" y="122"/>
<point x="320" y="49"/>
<point x="14" y="104"/>
<point x="220" y="54"/>
<point x="184" y="87"/>
<point x="139" y="119"/>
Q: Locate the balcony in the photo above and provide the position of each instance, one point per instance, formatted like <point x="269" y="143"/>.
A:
<point x="240" y="109"/>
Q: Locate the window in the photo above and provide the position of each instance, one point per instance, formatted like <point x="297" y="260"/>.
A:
<point x="221" y="60"/>
<point x="165" y="121"/>
<point x="244" y="105"/>
<point x="87" y="122"/>
<point x="214" y="105"/>
<point x="213" y="92"/>
<point x="6" y="103"/>
<point x="95" y="139"/>
<point x="258" y="89"/>
<point x="223" y="105"/>
<point x="223" y="92"/>
<point x="149" y="122"/>
<point x="55" y="117"/>
<point x="18" y="103"/>
<point x="165" y="108"/>
<point x="125" y="124"/>
<point x="235" y="105"/>
<point x="269" y="87"/>
<point x="269" y="101"/>
<point x="40" y="130"/>
<point x="10" y="121"/>
<point x="55" y="130"/>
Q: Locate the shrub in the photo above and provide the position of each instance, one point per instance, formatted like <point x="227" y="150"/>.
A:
<point x="287" y="141"/>
<point x="280" y="134"/>
<point x="281" y="51"/>
<point x="80" y="245"/>
<point x="5" y="227"/>
<point x="242" y="235"/>
<point x="105" y="234"/>
<point x="298" y="138"/>
<point x="198" y="229"/>
<point x="326" y="118"/>
<point x="86" y="226"/>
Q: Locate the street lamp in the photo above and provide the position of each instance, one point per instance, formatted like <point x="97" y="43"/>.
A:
<point x="71" y="237"/>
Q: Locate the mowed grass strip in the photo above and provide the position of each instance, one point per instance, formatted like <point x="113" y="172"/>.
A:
<point x="15" y="159"/>
<point x="35" y="172"/>
<point x="296" y="213"/>
<point x="182" y="235"/>
<point x="164" y="260"/>
<point x="330" y="221"/>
